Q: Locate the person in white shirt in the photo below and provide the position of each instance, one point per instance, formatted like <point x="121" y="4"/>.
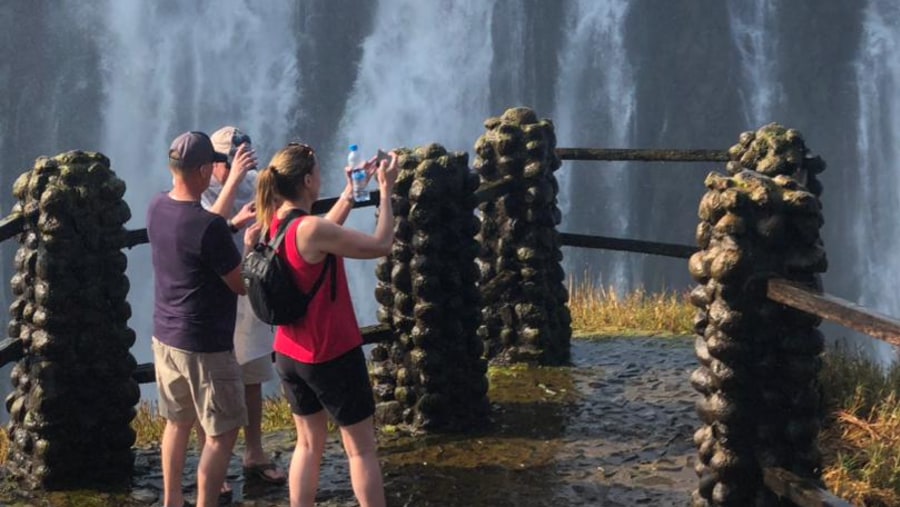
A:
<point x="231" y="194"/>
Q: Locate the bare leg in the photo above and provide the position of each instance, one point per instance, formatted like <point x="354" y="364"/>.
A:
<point x="365" y="471"/>
<point x="201" y="441"/>
<point x="201" y="436"/>
<point x="253" y="449"/>
<point x="173" y="452"/>
<point x="312" y="430"/>
<point x="213" y="467"/>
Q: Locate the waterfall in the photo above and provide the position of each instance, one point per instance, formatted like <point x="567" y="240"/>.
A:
<point x="753" y="25"/>
<point x="173" y="67"/>
<point x="424" y="77"/>
<point x="595" y="107"/>
<point x="125" y="77"/>
<point x="876" y="234"/>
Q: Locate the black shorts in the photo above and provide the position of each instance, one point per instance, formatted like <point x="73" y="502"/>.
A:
<point x="341" y="386"/>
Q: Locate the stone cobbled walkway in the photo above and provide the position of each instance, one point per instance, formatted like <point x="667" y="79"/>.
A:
<point x="614" y="429"/>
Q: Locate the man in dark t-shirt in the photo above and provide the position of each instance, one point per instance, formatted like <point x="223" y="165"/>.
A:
<point x="196" y="268"/>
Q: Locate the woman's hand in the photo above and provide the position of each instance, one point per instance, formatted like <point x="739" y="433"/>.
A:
<point x="369" y="166"/>
<point x="387" y="174"/>
<point x="251" y="235"/>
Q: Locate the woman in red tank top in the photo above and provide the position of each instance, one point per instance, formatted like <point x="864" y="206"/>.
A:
<point x="319" y="357"/>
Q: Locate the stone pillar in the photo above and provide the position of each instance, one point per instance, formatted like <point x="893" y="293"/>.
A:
<point x="759" y="360"/>
<point x="525" y="318"/>
<point x="433" y="376"/>
<point x="73" y="397"/>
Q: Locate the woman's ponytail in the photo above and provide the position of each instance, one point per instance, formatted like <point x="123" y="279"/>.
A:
<point x="266" y="197"/>
<point x="281" y="180"/>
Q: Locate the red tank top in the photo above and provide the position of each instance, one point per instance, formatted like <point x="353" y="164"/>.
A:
<point x="329" y="328"/>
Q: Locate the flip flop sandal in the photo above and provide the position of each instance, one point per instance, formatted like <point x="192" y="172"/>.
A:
<point x="258" y="472"/>
<point x="226" y="496"/>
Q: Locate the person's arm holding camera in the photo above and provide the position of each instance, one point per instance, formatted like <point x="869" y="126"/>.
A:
<point x="341" y="209"/>
<point x="344" y="242"/>
<point x="244" y="160"/>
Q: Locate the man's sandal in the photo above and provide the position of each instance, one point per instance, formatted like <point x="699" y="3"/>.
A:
<point x="226" y="494"/>
<point x="262" y="472"/>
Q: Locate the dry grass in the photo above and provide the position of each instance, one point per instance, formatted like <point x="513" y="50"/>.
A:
<point x="861" y="438"/>
<point x="603" y="311"/>
<point x="148" y="425"/>
<point x="4" y="446"/>
<point x="277" y="415"/>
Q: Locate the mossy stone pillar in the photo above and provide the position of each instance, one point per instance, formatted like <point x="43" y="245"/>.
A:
<point x="73" y="395"/>
<point x="759" y="360"/>
<point x="433" y="376"/>
<point x="525" y="317"/>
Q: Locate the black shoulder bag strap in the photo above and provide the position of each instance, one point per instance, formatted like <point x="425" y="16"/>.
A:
<point x="329" y="259"/>
<point x="292" y="215"/>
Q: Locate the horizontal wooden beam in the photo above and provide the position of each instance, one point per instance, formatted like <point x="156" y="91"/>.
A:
<point x="494" y="189"/>
<point x="11" y="225"/>
<point x="628" y="245"/>
<point x="320" y="207"/>
<point x="11" y="349"/>
<point x="801" y="492"/>
<point x="145" y="373"/>
<point x="646" y="155"/>
<point x="835" y="309"/>
<point x="376" y="333"/>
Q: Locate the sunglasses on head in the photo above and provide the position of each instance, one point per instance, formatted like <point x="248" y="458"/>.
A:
<point x="305" y="149"/>
<point x="301" y="145"/>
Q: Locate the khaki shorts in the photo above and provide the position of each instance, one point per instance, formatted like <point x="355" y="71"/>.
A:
<point x="205" y="386"/>
<point x="258" y="371"/>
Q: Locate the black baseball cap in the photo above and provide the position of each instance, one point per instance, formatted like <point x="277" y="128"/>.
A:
<point x="193" y="149"/>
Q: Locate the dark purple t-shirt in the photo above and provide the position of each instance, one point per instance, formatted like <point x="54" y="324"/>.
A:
<point x="192" y="249"/>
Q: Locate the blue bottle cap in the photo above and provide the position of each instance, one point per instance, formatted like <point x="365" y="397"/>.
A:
<point x="353" y="147"/>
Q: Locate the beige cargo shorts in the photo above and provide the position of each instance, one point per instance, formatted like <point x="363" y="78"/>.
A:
<point x="202" y="385"/>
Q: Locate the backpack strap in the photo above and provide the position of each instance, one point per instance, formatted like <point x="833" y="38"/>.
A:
<point x="283" y="227"/>
<point x="330" y="260"/>
<point x="330" y="263"/>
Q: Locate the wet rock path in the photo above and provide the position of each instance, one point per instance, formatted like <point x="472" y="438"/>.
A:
<point x="614" y="429"/>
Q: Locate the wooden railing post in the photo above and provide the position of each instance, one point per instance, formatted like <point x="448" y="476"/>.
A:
<point x="525" y="318"/>
<point x="431" y="376"/>
<point x="73" y="393"/>
<point x="759" y="359"/>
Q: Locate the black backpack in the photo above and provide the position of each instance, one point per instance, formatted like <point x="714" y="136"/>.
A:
<point x="274" y="297"/>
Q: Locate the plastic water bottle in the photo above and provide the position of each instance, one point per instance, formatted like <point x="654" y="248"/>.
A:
<point x="357" y="175"/>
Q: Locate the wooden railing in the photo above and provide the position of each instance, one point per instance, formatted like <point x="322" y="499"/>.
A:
<point x="783" y="483"/>
<point x="802" y="492"/>
<point x="836" y="310"/>
<point x="11" y="348"/>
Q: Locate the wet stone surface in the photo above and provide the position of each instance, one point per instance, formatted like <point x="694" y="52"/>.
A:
<point x="614" y="429"/>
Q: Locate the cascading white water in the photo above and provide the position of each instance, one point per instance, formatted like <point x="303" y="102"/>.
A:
<point x="877" y="231"/>
<point x="595" y="107"/>
<point x="755" y="37"/>
<point x="424" y="77"/>
<point x="426" y="72"/>
<point x="194" y="66"/>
